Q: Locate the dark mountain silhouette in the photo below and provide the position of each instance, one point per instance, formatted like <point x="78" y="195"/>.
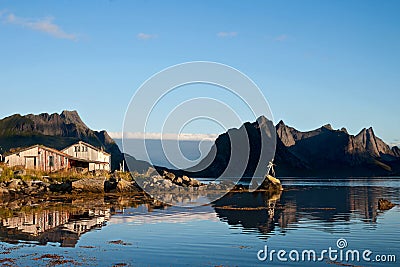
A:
<point x="329" y="152"/>
<point x="54" y="130"/>
<point x="243" y="152"/>
<point x="323" y="152"/>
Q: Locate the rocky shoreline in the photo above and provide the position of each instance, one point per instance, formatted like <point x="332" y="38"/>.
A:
<point x="117" y="183"/>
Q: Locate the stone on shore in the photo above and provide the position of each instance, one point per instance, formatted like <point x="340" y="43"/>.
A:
<point x="65" y="187"/>
<point x="4" y="192"/>
<point x="169" y="175"/>
<point x="271" y="184"/>
<point x="124" y="186"/>
<point x="89" y="185"/>
<point x="20" y="172"/>
<point x="15" y="184"/>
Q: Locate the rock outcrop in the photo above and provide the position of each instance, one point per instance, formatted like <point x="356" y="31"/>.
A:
<point x="89" y="185"/>
<point x="271" y="184"/>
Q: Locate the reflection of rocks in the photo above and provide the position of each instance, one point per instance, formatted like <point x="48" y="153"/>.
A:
<point x="190" y="192"/>
<point x="251" y="210"/>
<point x="323" y="204"/>
<point x="384" y="204"/>
<point x="46" y="220"/>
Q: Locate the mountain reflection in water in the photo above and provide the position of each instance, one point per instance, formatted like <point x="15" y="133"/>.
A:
<point x="65" y="220"/>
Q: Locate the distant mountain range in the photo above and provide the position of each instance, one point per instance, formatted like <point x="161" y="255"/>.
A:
<point x="323" y="152"/>
<point x="329" y="152"/>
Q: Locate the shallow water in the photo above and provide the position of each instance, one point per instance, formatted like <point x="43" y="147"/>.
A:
<point x="135" y="231"/>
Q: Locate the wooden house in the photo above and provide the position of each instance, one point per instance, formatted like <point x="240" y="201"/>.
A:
<point x="87" y="156"/>
<point x="38" y="157"/>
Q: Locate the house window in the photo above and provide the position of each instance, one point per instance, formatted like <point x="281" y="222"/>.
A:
<point x="51" y="161"/>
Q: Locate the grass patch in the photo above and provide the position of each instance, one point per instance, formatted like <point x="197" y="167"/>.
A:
<point x="8" y="174"/>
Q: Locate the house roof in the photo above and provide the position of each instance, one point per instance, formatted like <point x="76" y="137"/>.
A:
<point x="42" y="147"/>
<point x="57" y="152"/>
<point x="89" y="145"/>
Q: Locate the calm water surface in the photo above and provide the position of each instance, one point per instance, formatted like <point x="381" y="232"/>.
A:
<point x="135" y="231"/>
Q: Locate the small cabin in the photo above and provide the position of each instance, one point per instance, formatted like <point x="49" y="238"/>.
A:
<point x="88" y="156"/>
<point x="38" y="157"/>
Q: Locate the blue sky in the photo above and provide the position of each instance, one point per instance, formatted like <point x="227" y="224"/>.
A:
<point x="316" y="62"/>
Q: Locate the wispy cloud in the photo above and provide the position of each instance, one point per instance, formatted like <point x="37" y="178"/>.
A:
<point x="227" y="34"/>
<point x="3" y="11"/>
<point x="395" y="142"/>
<point x="164" y="136"/>
<point x="45" y="25"/>
<point x="281" y="38"/>
<point x="146" y="36"/>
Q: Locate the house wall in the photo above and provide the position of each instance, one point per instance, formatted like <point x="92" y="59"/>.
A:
<point x="19" y="159"/>
<point x="38" y="158"/>
<point x="59" y="161"/>
<point x="83" y="151"/>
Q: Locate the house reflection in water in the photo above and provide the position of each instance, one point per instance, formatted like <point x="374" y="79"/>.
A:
<point x="61" y="226"/>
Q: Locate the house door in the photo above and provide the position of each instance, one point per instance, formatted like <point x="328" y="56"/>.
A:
<point x="30" y="163"/>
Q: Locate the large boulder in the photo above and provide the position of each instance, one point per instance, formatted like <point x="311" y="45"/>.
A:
<point x="124" y="186"/>
<point x="186" y="179"/>
<point x="169" y="175"/>
<point x="271" y="183"/>
<point x="90" y="185"/>
<point x="65" y="187"/>
<point x="15" y="184"/>
<point x="178" y="181"/>
<point x="110" y="185"/>
<point x="19" y="172"/>
<point x="4" y="192"/>
<point x="194" y="183"/>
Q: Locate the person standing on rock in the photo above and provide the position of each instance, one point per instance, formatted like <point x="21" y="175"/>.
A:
<point x="271" y="168"/>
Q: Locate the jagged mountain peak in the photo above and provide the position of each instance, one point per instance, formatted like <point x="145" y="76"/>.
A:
<point x="327" y="126"/>
<point x="262" y="120"/>
<point x="281" y="123"/>
<point x="72" y="117"/>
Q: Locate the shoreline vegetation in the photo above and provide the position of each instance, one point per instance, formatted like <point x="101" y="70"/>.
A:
<point x="18" y="183"/>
